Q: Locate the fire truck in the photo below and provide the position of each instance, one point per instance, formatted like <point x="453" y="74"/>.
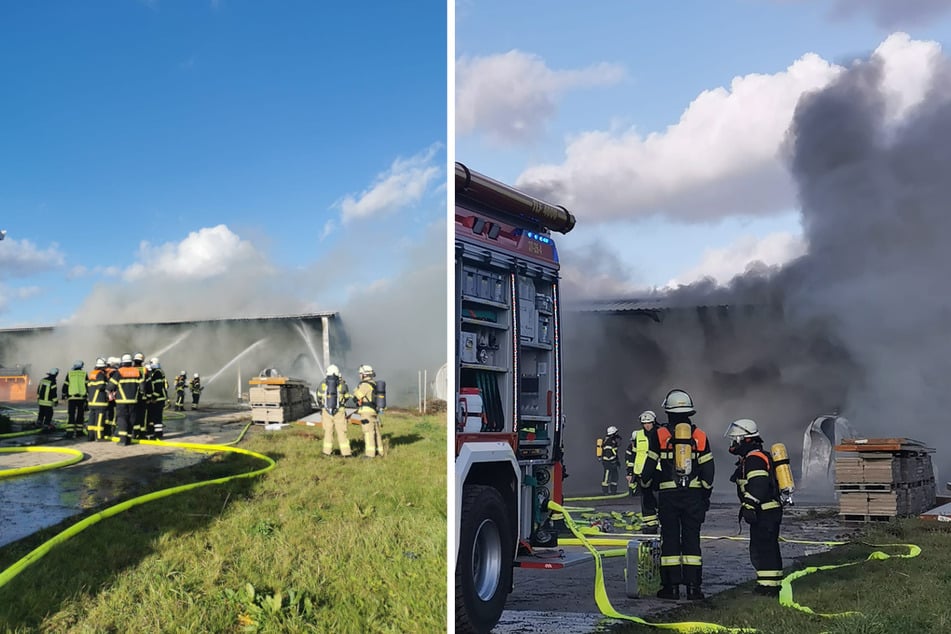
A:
<point x="509" y="418"/>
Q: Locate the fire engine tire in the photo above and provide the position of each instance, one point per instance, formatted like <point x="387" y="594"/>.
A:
<point x="484" y="564"/>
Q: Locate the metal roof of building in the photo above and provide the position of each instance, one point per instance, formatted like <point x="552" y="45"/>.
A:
<point x="316" y="315"/>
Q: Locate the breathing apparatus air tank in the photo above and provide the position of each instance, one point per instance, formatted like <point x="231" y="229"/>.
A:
<point x="683" y="452"/>
<point x="330" y="400"/>
<point x="380" y="395"/>
<point x="598" y="449"/>
<point x="784" y="474"/>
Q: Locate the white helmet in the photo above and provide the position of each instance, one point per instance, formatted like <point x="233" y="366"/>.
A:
<point x="126" y="358"/>
<point x="365" y="370"/>
<point x="743" y="428"/>
<point x="139" y="357"/>
<point x="612" y="430"/>
<point x="333" y="370"/>
<point x="648" y="417"/>
<point x="196" y="375"/>
<point x="114" y="361"/>
<point x="100" y="362"/>
<point x="154" y="360"/>
<point x="678" y="402"/>
<point x="53" y="371"/>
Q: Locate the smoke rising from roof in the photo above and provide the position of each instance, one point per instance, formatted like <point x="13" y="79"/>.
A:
<point x="858" y="322"/>
<point x="397" y="324"/>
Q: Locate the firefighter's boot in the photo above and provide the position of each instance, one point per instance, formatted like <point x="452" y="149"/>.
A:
<point x="669" y="592"/>
<point x="694" y="593"/>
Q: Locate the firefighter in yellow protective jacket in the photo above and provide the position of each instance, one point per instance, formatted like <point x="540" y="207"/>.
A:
<point x="365" y="396"/>
<point x="74" y="391"/>
<point x="331" y="397"/>
<point x="637" y="481"/>
<point x="683" y="496"/>
<point x="760" y="503"/>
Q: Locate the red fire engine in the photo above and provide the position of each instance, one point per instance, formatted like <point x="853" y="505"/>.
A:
<point x="508" y="386"/>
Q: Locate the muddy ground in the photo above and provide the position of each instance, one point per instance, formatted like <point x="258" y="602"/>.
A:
<point x="563" y="600"/>
<point x="108" y="473"/>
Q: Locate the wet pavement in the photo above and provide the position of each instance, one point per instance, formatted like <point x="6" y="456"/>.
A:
<point x="563" y="600"/>
<point x="108" y="473"/>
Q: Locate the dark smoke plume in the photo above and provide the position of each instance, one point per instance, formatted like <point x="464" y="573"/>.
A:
<point x="858" y="323"/>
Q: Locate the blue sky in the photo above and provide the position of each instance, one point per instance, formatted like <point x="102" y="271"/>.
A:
<point x="661" y="124"/>
<point x="175" y="160"/>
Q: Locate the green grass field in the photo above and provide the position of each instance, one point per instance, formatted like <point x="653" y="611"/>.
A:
<point x="315" y="545"/>
<point x="893" y="596"/>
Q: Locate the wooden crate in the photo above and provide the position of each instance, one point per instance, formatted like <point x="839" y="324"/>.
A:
<point x="883" y="477"/>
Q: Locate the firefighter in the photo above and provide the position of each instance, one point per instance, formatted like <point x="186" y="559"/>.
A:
<point x="683" y="496"/>
<point x="634" y="458"/>
<point x="331" y="397"/>
<point x="365" y="396"/>
<point x="74" y="389"/>
<point x="760" y="503"/>
<point x="112" y="383"/>
<point x="138" y="423"/>
<point x="610" y="460"/>
<point x="155" y="410"/>
<point x="46" y="399"/>
<point x="128" y="385"/>
<point x="97" y="399"/>
<point x="181" y="382"/>
<point x="195" y="386"/>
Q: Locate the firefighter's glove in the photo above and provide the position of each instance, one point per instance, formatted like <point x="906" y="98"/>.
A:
<point x="748" y="513"/>
<point x="633" y="487"/>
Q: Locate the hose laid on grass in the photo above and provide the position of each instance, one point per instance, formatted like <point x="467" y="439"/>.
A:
<point x="583" y="537"/>
<point x="785" y="589"/>
<point x="41" y="550"/>
<point x="604" y="604"/>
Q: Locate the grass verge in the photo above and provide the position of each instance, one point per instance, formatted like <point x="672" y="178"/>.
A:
<point x="316" y="545"/>
<point x="892" y="596"/>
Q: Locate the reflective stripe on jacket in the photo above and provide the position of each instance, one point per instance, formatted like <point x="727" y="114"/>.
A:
<point x="702" y="472"/>
<point x="128" y="382"/>
<point x="754" y="482"/>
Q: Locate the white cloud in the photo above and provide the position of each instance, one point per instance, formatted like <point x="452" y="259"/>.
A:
<point x="205" y="253"/>
<point x="723" y="157"/>
<point x="22" y="258"/>
<point x="511" y="96"/>
<point x="745" y="254"/>
<point x="403" y="184"/>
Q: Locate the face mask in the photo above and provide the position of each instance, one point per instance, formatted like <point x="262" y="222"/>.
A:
<point x="734" y="446"/>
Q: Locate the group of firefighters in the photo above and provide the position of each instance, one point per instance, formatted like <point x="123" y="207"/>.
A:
<point x="671" y="466"/>
<point x="125" y="398"/>
<point x="369" y="399"/>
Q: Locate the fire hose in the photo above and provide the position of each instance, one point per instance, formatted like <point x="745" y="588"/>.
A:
<point x="785" y="593"/>
<point x="37" y="553"/>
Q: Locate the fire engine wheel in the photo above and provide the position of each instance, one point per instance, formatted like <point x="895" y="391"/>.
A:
<point x="484" y="564"/>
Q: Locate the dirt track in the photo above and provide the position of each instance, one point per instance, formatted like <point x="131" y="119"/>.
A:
<point x="563" y="600"/>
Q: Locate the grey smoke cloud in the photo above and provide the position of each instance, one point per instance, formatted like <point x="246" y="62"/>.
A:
<point x="890" y="14"/>
<point x="857" y="322"/>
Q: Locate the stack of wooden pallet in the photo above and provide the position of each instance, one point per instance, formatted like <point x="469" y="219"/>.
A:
<point x="882" y="478"/>
<point x="279" y="399"/>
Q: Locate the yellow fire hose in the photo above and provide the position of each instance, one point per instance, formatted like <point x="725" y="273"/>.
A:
<point x="41" y="550"/>
<point x="785" y="593"/>
<point x="74" y="456"/>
